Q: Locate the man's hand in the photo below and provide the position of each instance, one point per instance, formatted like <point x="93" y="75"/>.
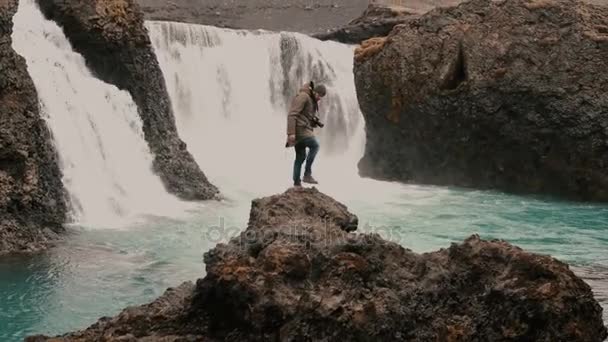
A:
<point x="291" y="140"/>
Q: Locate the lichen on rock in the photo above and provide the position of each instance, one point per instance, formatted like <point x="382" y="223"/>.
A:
<point x="377" y="21"/>
<point x="369" y="48"/>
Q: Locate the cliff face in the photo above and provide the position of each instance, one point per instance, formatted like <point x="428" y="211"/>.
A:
<point x="298" y="273"/>
<point x="32" y="198"/>
<point x="110" y="34"/>
<point x="508" y="95"/>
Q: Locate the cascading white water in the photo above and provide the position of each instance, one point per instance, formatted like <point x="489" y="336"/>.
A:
<point x="106" y="164"/>
<point x="231" y="91"/>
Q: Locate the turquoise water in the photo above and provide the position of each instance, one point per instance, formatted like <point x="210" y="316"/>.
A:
<point x="98" y="272"/>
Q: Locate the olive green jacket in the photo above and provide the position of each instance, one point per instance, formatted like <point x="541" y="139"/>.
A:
<point x="301" y="115"/>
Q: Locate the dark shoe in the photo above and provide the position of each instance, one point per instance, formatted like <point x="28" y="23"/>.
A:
<point x="297" y="185"/>
<point x="309" y="180"/>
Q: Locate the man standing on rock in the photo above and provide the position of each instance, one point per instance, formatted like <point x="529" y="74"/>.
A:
<point x="301" y="122"/>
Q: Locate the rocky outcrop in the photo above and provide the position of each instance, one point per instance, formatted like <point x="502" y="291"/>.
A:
<point x="508" y="95"/>
<point x="298" y="273"/>
<point x="376" y="21"/>
<point x="110" y="34"/>
<point x="32" y="198"/>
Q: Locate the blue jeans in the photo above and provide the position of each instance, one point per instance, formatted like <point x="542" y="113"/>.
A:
<point x="313" y="148"/>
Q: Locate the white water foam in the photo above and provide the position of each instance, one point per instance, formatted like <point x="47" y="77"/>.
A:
<point x="106" y="163"/>
<point x="231" y="90"/>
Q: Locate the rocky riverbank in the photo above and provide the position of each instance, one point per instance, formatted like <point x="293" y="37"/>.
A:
<point x="504" y="95"/>
<point x="32" y="198"/>
<point x="112" y="38"/>
<point x="298" y="272"/>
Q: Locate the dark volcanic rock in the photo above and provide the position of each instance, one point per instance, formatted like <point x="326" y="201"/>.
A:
<point x="32" y="198"/>
<point x="376" y="21"/>
<point x="491" y="94"/>
<point x="111" y="36"/>
<point x="296" y="274"/>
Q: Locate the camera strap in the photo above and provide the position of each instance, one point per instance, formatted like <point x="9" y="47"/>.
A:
<point x="312" y="96"/>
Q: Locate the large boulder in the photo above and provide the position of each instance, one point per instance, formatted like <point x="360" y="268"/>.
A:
<point x="298" y="273"/>
<point x="491" y="94"/>
<point x="32" y="197"/>
<point x="111" y="36"/>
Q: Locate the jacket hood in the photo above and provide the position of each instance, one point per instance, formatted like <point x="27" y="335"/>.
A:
<point x="306" y="89"/>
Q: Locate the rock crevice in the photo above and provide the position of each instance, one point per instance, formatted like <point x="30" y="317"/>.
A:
<point x="457" y="71"/>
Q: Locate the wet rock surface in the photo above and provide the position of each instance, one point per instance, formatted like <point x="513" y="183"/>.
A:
<point x="110" y="34"/>
<point x="297" y="274"/>
<point x="491" y="94"/>
<point x="32" y="198"/>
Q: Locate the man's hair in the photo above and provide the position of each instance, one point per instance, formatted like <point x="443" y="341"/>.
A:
<point x="320" y="89"/>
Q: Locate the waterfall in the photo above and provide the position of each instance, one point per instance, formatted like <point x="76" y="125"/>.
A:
<point x="231" y="90"/>
<point x="106" y="164"/>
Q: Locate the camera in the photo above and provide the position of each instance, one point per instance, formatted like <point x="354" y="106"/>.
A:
<point x="316" y="122"/>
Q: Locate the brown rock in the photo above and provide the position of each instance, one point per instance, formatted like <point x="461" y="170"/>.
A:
<point x="32" y="196"/>
<point x="377" y="20"/>
<point x="369" y="48"/>
<point x="506" y="95"/>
